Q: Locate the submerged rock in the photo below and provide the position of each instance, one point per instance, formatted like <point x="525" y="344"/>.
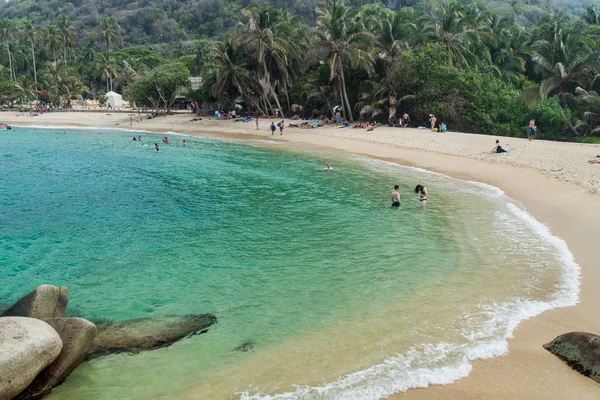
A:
<point x="77" y="336"/>
<point x="47" y="301"/>
<point x="27" y="346"/>
<point x="580" y="350"/>
<point x="246" y="346"/>
<point x="147" y="333"/>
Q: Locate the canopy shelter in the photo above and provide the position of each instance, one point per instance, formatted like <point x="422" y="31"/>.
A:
<point x="114" y="99"/>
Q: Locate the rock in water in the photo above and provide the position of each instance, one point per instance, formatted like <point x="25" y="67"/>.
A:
<point x="147" y="333"/>
<point x="580" y="350"/>
<point x="77" y="336"/>
<point x="246" y="346"/>
<point x="46" y="301"/>
<point x="61" y="303"/>
<point x="27" y="346"/>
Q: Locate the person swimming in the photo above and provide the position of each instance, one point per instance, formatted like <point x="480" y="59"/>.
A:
<point x="139" y="138"/>
<point x="396" y="197"/>
<point x="184" y="143"/>
<point x="422" y="192"/>
<point x="328" y="167"/>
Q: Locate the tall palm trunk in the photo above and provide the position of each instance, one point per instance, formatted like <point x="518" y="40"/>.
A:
<point x="34" y="67"/>
<point x="350" y="117"/>
<point x="342" y="99"/>
<point x="10" y="61"/>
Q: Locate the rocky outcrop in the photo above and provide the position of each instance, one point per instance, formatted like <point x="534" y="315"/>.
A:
<point x="47" y="301"/>
<point x="77" y="336"/>
<point x="580" y="350"/>
<point x="27" y="346"/>
<point x="147" y="333"/>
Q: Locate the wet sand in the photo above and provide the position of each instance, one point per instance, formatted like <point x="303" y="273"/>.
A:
<point x="552" y="180"/>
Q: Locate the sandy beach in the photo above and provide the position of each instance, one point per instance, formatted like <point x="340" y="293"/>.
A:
<point x="552" y="180"/>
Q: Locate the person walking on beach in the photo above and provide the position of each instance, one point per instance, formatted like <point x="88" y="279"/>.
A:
<point x="422" y="192"/>
<point x="281" y="124"/>
<point x="273" y="128"/>
<point x="433" y="120"/>
<point x="532" y="129"/>
<point x="396" y="197"/>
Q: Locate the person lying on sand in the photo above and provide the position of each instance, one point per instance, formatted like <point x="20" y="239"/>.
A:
<point x="359" y="125"/>
<point x="595" y="161"/>
<point x="371" y="128"/>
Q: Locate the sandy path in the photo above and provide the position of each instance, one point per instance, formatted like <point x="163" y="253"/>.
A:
<point x="552" y="180"/>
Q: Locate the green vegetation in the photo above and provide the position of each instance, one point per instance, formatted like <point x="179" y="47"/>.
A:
<point x="485" y="68"/>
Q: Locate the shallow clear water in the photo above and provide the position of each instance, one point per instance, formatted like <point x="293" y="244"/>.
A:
<point x="343" y="296"/>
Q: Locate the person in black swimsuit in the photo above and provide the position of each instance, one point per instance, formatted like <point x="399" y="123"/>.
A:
<point x="498" y="149"/>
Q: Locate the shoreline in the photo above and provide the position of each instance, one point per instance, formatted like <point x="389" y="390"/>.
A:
<point x="527" y="371"/>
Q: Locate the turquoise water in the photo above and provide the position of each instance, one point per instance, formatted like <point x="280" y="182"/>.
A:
<point x="312" y="266"/>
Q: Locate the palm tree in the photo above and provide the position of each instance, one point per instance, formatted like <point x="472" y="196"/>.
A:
<point x="7" y="35"/>
<point x="319" y="88"/>
<point x="343" y="40"/>
<point x="460" y="30"/>
<point x="30" y="34"/>
<point x="267" y="41"/>
<point x="566" y="63"/>
<point x="52" y="40"/>
<point x="109" y="30"/>
<point x="27" y="88"/>
<point x="107" y="70"/>
<point x="591" y="15"/>
<point x="589" y="101"/>
<point x="67" y="32"/>
<point x="227" y="75"/>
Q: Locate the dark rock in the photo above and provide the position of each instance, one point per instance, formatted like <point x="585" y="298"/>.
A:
<point x="61" y="303"/>
<point x="147" y="333"/>
<point x="77" y="336"/>
<point x="27" y="346"/>
<point x="246" y="346"/>
<point x="46" y="301"/>
<point x="580" y="350"/>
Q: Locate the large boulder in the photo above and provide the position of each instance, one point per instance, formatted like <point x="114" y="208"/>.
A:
<point x="77" y="336"/>
<point x="136" y="335"/>
<point x="27" y="346"/>
<point x="580" y="350"/>
<point x="47" y="301"/>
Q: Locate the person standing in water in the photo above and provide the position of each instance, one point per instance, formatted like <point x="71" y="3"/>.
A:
<point x="184" y="143"/>
<point x="532" y="129"/>
<point x="422" y="192"/>
<point x="328" y="167"/>
<point x="396" y="197"/>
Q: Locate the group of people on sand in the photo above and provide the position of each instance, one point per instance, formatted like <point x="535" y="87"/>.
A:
<point x="435" y="127"/>
<point x="419" y="189"/>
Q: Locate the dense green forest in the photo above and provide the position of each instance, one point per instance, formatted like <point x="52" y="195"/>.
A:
<point x="485" y="67"/>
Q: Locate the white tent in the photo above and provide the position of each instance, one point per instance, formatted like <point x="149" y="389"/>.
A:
<point x="114" y="99"/>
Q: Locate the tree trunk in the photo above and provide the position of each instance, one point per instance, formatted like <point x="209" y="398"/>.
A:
<point x="277" y="101"/>
<point x="14" y="78"/>
<point x="34" y="67"/>
<point x="346" y="95"/>
<point x="65" y="54"/>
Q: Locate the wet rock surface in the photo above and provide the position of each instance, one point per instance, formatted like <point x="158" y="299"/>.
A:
<point x="580" y="350"/>
<point x="147" y="333"/>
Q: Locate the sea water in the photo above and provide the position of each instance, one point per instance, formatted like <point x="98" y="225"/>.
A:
<point x="336" y="294"/>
